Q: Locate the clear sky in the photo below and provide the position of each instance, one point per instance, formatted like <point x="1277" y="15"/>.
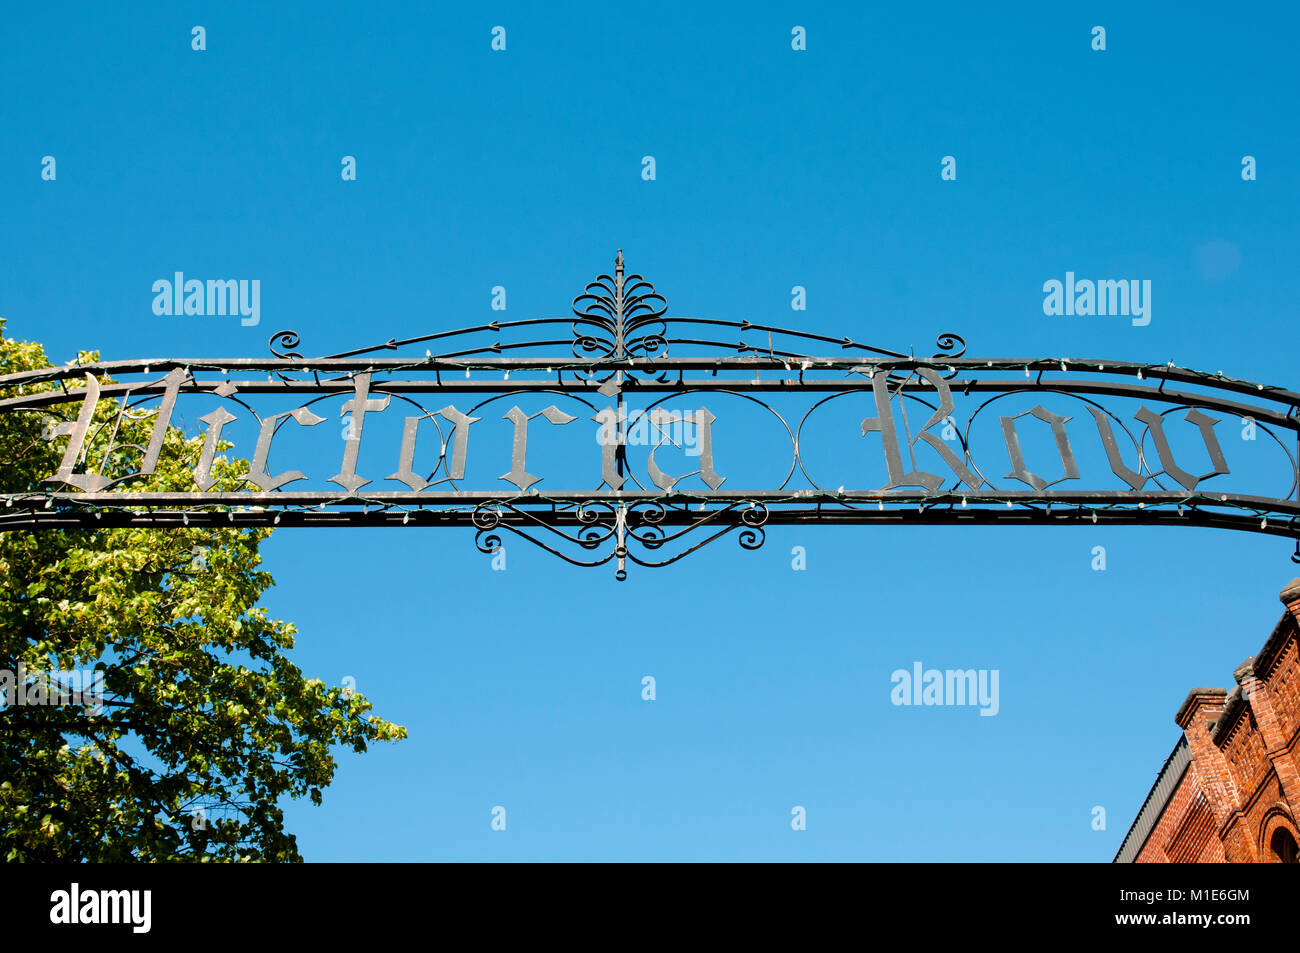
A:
<point x="774" y="168"/>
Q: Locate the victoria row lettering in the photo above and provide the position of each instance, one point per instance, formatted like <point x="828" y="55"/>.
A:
<point x="612" y="439"/>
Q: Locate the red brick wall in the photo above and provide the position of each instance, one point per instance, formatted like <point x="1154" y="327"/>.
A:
<point x="1244" y="779"/>
<point x="1186" y="831"/>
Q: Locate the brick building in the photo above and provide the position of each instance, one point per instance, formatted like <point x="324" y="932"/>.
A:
<point x="1229" y="792"/>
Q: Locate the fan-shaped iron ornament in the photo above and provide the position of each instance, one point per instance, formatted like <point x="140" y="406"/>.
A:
<point x="619" y="363"/>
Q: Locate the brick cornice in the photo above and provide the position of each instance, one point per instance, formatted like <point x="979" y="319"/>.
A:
<point x="1234" y="706"/>
<point x="1195" y="700"/>
<point x="1282" y="633"/>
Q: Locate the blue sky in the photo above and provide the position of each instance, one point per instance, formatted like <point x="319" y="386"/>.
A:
<point x="774" y="168"/>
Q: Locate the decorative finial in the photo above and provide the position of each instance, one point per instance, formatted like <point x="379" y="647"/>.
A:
<point x="618" y="264"/>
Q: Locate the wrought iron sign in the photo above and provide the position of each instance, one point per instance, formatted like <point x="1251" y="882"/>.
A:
<point x="624" y="398"/>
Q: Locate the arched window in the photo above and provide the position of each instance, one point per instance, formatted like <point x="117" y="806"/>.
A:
<point x="1284" y="848"/>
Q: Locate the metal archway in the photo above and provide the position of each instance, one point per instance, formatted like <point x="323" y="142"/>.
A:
<point x="620" y="345"/>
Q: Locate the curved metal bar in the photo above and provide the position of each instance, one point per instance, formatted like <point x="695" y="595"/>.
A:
<point x="486" y="517"/>
<point x="494" y="542"/>
<point x="286" y="339"/>
<point x="746" y="325"/>
<point x="752" y="536"/>
<point x="653" y="523"/>
<point x="1287" y="418"/>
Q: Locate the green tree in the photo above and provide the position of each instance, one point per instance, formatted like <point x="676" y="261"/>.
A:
<point x="201" y="707"/>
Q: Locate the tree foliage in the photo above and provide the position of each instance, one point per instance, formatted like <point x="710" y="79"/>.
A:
<point x="201" y="707"/>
